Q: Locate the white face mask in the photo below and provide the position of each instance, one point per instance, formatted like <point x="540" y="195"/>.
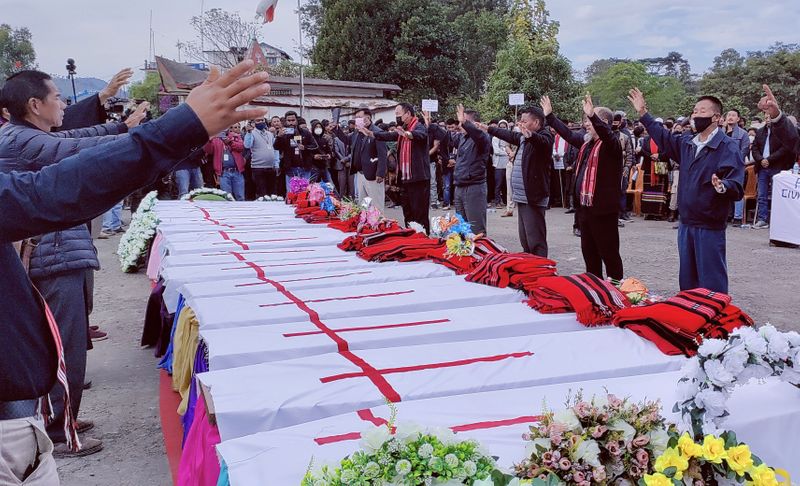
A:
<point x="318" y="131"/>
<point x="752" y="138"/>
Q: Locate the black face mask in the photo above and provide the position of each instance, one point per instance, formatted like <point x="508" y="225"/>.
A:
<point x="701" y="123"/>
<point x="399" y="121"/>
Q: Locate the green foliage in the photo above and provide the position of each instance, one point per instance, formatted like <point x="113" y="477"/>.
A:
<point x="737" y="79"/>
<point x="147" y="89"/>
<point x="291" y="69"/>
<point x="16" y="50"/>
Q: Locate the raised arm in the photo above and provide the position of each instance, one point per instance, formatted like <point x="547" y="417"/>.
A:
<point x="115" y="128"/>
<point x="568" y="135"/>
<point x="514" y="138"/>
<point x="667" y="144"/>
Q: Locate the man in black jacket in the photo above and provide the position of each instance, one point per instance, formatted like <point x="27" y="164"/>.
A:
<point x="598" y="179"/>
<point x="297" y="146"/>
<point x="531" y="172"/>
<point x="771" y="155"/>
<point x="64" y="195"/>
<point x="368" y="162"/>
<point x="474" y="153"/>
<point x="413" y="163"/>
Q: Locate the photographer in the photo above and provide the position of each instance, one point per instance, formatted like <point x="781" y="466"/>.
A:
<point x="297" y="147"/>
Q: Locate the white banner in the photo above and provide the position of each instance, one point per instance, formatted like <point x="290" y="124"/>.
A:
<point x="430" y="105"/>
<point x="516" y="99"/>
<point x="785" y="219"/>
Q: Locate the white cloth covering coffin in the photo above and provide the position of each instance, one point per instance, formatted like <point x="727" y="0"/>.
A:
<point x="256" y="256"/>
<point x="316" y="278"/>
<point x="270" y="396"/>
<point x="171" y="229"/>
<point x="242" y="346"/>
<point x="350" y="301"/>
<point x="311" y="237"/>
<point x="497" y="419"/>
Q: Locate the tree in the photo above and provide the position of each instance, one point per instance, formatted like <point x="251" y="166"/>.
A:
<point x="147" y="89"/>
<point x="599" y="67"/>
<point x="292" y="70"/>
<point x="532" y="48"/>
<point x="666" y="95"/>
<point x="486" y="32"/>
<point x="311" y="13"/>
<point x="16" y="50"/>
<point x="221" y="32"/>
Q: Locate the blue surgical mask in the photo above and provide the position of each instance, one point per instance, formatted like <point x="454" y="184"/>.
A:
<point x="261" y="126"/>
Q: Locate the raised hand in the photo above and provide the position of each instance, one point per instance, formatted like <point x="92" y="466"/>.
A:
<point x="460" y="113"/>
<point x="546" y="105"/>
<point x="426" y="115"/>
<point x="135" y="118"/>
<point x="118" y="81"/>
<point x="588" y="106"/>
<point x="216" y="101"/>
<point x="636" y="98"/>
<point x="482" y="126"/>
<point x="769" y="104"/>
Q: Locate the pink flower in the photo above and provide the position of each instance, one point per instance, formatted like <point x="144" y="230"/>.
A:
<point x="642" y="457"/>
<point x="634" y="471"/>
<point x="598" y="431"/>
<point x="578" y="477"/>
<point x="614" y="402"/>
<point x="573" y="440"/>
<point x="564" y="464"/>
<point x="583" y="409"/>
<point x="641" y="441"/>
<point x="613" y="448"/>
<point x="526" y="436"/>
<point x="599" y="473"/>
<point x="547" y="458"/>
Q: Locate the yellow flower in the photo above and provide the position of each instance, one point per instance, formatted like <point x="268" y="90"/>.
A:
<point x="763" y="475"/>
<point x="672" y="458"/>
<point x="657" y="479"/>
<point x="689" y="447"/>
<point x="713" y="449"/>
<point x="739" y="459"/>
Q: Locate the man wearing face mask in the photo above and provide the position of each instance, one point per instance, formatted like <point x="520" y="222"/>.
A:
<point x="413" y="163"/>
<point x="263" y="162"/>
<point x="297" y="146"/>
<point x="712" y="176"/>
<point x="368" y="161"/>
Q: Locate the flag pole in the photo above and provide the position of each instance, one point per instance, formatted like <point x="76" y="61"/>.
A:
<point x="302" y="73"/>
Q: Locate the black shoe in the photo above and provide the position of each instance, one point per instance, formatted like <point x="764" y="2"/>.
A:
<point x="570" y="211"/>
<point x="737" y="223"/>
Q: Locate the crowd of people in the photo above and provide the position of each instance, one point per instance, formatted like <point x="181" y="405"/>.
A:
<point x="61" y="168"/>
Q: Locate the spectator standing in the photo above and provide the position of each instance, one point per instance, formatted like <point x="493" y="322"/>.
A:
<point x="225" y="151"/>
<point x="264" y="161"/>
<point x="324" y="153"/>
<point x="500" y="163"/>
<point x="297" y="147"/>
<point x="772" y="155"/>
<point x="627" y="163"/>
<point x="448" y="167"/>
<point x="474" y="153"/>
<point x="655" y="171"/>
<point x="368" y="160"/>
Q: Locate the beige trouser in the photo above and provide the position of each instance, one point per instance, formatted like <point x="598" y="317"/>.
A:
<point x="371" y="189"/>
<point x="673" y="197"/>
<point x="509" y="192"/>
<point x="20" y="442"/>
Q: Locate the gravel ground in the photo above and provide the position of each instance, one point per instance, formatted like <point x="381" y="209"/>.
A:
<point x="123" y="400"/>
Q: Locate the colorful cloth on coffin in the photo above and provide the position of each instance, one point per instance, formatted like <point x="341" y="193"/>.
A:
<point x="679" y="324"/>
<point x="200" y="366"/>
<point x="371" y="237"/>
<point x="593" y="300"/>
<point x="157" y="321"/>
<point x="184" y="351"/>
<point x="346" y="226"/>
<point x="414" y="248"/>
<point x="511" y="270"/>
<point x="199" y="465"/>
<point x="166" y="360"/>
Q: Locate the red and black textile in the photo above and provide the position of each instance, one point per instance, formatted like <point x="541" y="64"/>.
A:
<point x="595" y="301"/>
<point x="300" y="212"/>
<point x="404" y="248"/>
<point x="347" y="226"/>
<point x="678" y="324"/>
<point x="511" y="270"/>
<point x="319" y="216"/>
<point x="485" y="247"/>
<point x="368" y="236"/>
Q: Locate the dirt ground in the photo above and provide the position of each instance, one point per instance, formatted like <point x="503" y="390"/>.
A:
<point x="123" y="400"/>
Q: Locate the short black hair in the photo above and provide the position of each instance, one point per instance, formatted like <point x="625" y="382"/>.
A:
<point x="737" y="112"/>
<point x="474" y="114"/>
<point x="407" y="107"/>
<point x="494" y="121"/>
<point x="365" y="111"/>
<point x="21" y="87"/>
<point x="351" y="122"/>
<point x="714" y="100"/>
<point x="301" y="121"/>
<point x="617" y="117"/>
<point x="290" y="113"/>
<point x="535" y="112"/>
<point x="274" y="117"/>
<point x="452" y="121"/>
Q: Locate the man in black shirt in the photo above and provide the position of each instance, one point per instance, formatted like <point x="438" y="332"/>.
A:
<point x="297" y="146"/>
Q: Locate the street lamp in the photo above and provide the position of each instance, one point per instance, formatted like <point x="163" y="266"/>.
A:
<point x="71" y="75"/>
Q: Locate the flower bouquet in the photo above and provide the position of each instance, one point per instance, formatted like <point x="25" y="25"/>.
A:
<point x="207" y="194"/>
<point x="409" y="456"/>
<point x="720" y="365"/>
<point x="606" y="440"/>
<point x="716" y="459"/>
<point x="297" y="185"/>
<point x="272" y="198"/>
<point x="135" y="243"/>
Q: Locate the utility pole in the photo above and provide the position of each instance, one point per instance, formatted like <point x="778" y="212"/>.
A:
<point x="302" y="63"/>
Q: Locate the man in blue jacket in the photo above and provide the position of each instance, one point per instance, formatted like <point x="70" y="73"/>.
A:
<point x="712" y="177"/>
<point x="64" y="195"/>
<point x="474" y="154"/>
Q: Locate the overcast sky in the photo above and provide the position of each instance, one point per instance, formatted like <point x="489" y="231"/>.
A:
<point x="104" y="36"/>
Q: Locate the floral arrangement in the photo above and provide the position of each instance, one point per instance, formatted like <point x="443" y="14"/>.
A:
<point x="720" y="365"/>
<point x="316" y="193"/>
<point x="297" y="185"/>
<point x="636" y="291"/>
<point x="135" y="243"/>
<point x="444" y="226"/>
<point x="606" y="440"/>
<point x="409" y="455"/>
<point x="369" y="216"/>
<point x="417" y="227"/>
<point x="459" y="246"/>
<point x="272" y="198"/>
<point x="348" y="209"/>
<point x="207" y="193"/>
<point x="720" y="457"/>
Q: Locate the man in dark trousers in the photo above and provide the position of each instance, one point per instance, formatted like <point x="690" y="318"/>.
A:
<point x="530" y="177"/>
<point x="368" y="162"/>
<point x="711" y="178"/>
<point x="65" y="195"/>
<point x="474" y="155"/>
<point x="413" y="163"/>
<point x="771" y="155"/>
<point x="297" y="146"/>
<point x="598" y="179"/>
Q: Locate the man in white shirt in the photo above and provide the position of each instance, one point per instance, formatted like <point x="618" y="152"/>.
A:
<point x="264" y="162"/>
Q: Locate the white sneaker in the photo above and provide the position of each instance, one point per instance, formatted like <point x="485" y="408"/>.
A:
<point x="761" y="225"/>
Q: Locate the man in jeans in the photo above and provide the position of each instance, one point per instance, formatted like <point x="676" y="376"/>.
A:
<point x="188" y="175"/>
<point x="449" y="163"/>
<point x="112" y="222"/>
<point x="474" y="152"/>
<point x="263" y="163"/>
<point x="771" y="155"/>
<point x="226" y="152"/>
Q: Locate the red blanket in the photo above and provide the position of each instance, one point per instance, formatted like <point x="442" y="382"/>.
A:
<point x="511" y="270"/>
<point x="593" y="300"/>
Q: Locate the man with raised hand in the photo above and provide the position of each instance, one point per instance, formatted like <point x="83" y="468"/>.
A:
<point x="66" y="194"/>
<point x="712" y="176"/>
<point x="598" y="179"/>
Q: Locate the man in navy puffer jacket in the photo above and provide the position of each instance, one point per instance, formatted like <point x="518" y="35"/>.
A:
<point x="59" y="263"/>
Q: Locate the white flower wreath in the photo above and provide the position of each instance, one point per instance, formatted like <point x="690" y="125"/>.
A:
<point x="207" y="190"/>
<point x="720" y="366"/>
<point x="272" y="198"/>
<point x="135" y="242"/>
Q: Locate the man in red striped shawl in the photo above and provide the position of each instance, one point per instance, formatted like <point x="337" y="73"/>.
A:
<point x="598" y="176"/>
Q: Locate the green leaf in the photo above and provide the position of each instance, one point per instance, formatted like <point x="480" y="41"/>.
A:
<point x="730" y="439"/>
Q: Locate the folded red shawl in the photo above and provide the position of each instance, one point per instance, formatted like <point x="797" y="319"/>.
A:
<point x="593" y="300"/>
<point x="346" y="226"/>
<point x="511" y="269"/>
<point x="727" y="321"/>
